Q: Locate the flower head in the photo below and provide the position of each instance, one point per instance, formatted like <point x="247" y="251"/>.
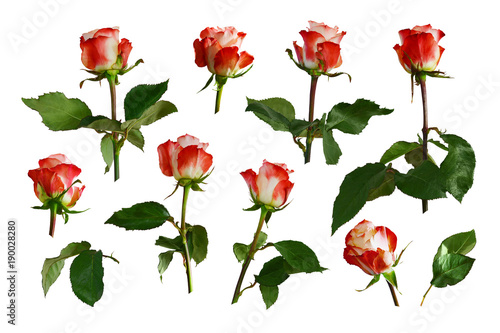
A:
<point x="371" y="248"/>
<point x="419" y="50"/>
<point x="270" y="186"/>
<point x="55" y="177"/>
<point x="321" y="51"/>
<point x="219" y="50"/>
<point x="185" y="159"/>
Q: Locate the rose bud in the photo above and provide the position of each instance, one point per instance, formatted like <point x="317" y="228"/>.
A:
<point x="54" y="186"/>
<point x="271" y="186"/>
<point x="218" y="49"/>
<point x="321" y="50"/>
<point x="102" y="50"/>
<point x="185" y="159"/>
<point x="370" y="248"/>
<point x="419" y="50"/>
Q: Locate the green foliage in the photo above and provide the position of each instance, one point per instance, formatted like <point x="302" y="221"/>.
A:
<point x="422" y="182"/>
<point x="353" y="118"/>
<point x="141" y="216"/>
<point x="141" y="97"/>
<point x="52" y="266"/>
<point x="241" y="250"/>
<point x="197" y="237"/>
<point x="277" y="112"/>
<point x="107" y="151"/>
<point x="398" y="149"/>
<point x="299" y="256"/>
<point x="354" y="192"/>
<point x="458" y="166"/>
<point x="86" y="276"/>
<point x="450" y="269"/>
<point x="165" y="259"/>
<point x="58" y="112"/>
<point x="269" y="294"/>
<point x="273" y="273"/>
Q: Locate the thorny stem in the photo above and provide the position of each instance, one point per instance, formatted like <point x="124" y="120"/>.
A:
<point x="184" y="238"/>
<point x="53" y="216"/>
<point x="251" y="252"/>
<point x="393" y="294"/>
<point x="116" y="148"/>
<point x="309" y="139"/>
<point x="425" y="131"/>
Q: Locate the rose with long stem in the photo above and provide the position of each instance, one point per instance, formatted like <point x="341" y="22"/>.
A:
<point x="319" y="55"/>
<point x="106" y="57"/>
<point x="269" y="190"/>
<point x="419" y="54"/>
<point x="187" y="161"/>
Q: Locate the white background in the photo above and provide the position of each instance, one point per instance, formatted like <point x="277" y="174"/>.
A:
<point x="40" y="53"/>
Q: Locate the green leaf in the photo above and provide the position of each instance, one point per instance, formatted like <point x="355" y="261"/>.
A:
<point x="198" y="237"/>
<point x="385" y="188"/>
<point x="101" y="123"/>
<point x="438" y="144"/>
<point x="415" y="157"/>
<point x="169" y="243"/>
<point x="299" y="256"/>
<point x="241" y="250"/>
<point x="450" y="269"/>
<point x="354" y="192"/>
<point x="52" y="266"/>
<point x="353" y="118"/>
<point x="331" y="148"/>
<point x="391" y="278"/>
<point x="458" y="166"/>
<point x="86" y="274"/>
<point x="422" y="182"/>
<point x="374" y="280"/>
<point x="273" y="272"/>
<point x="136" y="138"/>
<point x="277" y="112"/>
<point x="107" y="151"/>
<point x="461" y="243"/>
<point x="58" y="112"/>
<point x="155" y="112"/>
<point x="141" y="216"/>
<point x="398" y="149"/>
<point x="269" y="294"/>
<point x="141" y="97"/>
<point x="165" y="259"/>
<point x="298" y="127"/>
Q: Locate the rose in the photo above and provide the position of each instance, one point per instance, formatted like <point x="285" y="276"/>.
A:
<point x="102" y="50"/>
<point x="184" y="159"/>
<point x="370" y="248"/>
<point x="321" y="49"/>
<point x="218" y="49"/>
<point x="271" y="186"/>
<point x="55" y="176"/>
<point x="419" y="50"/>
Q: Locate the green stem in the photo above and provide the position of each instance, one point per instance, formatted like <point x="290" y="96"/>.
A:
<point x="218" y="97"/>
<point x="423" y="298"/>
<point x="116" y="148"/>
<point x="184" y="238"/>
<point x="251" y="252"/>
<point x="309" y="139"/>
<point x="393" y="294"/>
<point x="53" y="216"/>
<point x="425" y="131"/>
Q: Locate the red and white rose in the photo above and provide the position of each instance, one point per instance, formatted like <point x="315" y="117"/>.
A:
<point x="55" y="176"/>
<point x="371" y="248"/>
<point x="419" y="50"/>
<point x="321" y="50"/>
<point x="102" y="50"/>
<point x="271" y="186"/>
<point x="219" y="50"/>
<point x="184" y="159"/>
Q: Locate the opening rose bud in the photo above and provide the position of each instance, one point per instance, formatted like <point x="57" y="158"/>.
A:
<point x="185" y="159"/>
<point x="102" y="50"/>
<point x="54" y="185"/>
<point x="370" y="248"/>
<point x="218" y="49"/>
<point x="321" y="50"/>
<point x="419" y="50"/>
<point x="270" y="186"/>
